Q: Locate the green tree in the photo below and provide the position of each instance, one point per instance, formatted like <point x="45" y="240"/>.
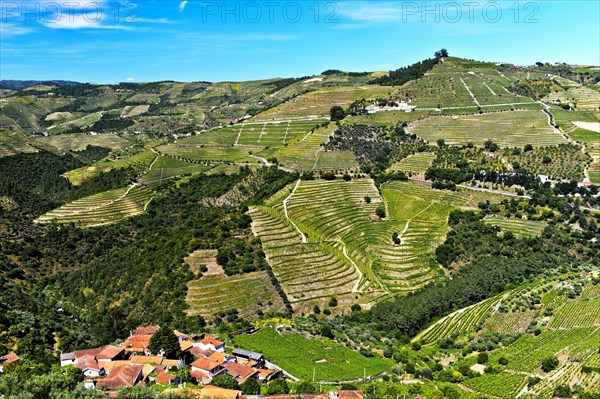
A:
<point x="482" y="358"/>
<point x="562" y="391"/>
<point x="337" y="113"/>
<point x="165" y="340"/>
<point x="225" y="381"/>
<point x="306" y="387"/>
<point x="278" y="387"/>
<point x="380" y="211"/>
<point x="326" y="331"/>
<point x="250" y="387"/>
<point x="549" y="364"/>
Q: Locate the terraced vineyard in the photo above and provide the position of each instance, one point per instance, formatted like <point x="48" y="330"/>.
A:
<point x="527" y="353"/>
<point x="415" y="164"/>
<point x="101" y="209"/>
<point x="13" y="143"/>
<point x="165" y="168"/>
<point x="316" y="104"/>
<point x="79" y="141"/>
<point x="304" y="153"/>
<point x="508" y="323"/>
<point x="456" y="85"/>
<point x="216" y="292"/>
<point x="207" y="153"/>
<point x="139" y="162"/>
<point x="579" y="97"/>
<point x="507" y="129"/>
<point x="581" y="312"/>
<point x="322" y="239"/>
<point x="461" y="321"/>
<point x="336" y="161"/>
<point x="268" y="134"/>
<point x="519" y="227"/>
<point x="502" y="385"/>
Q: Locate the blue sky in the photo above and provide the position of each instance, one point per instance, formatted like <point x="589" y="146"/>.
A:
<point x="106" y="41"/>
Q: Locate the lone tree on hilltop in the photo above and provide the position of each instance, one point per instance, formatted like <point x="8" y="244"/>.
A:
<point x="337" y="113"/>
<point x="443" y="53"/>
<point x="165" y="340"/>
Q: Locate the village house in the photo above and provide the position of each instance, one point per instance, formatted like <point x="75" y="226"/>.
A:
<point x="204" y="370"/>
<point x="257" y="358"/>
<point x="122" y="376"/>
<point x="7" y="359"/>
<point x="113" y="367"/>
<point x="109" y="354"/>
<point x="210" y="343"/>
<point x="89" y="366"/>
<point x="167" y="379"/>
<point x="240" y="372"/>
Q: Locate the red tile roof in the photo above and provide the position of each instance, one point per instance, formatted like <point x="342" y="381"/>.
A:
<point x="9" y="358"/>
<point x="145" y="330"/>
<point x="200" y="352"/>
<point x="109" y="352"/>
<point x="211" y="341"/>
<point x="84" y="352"/>
<point x="240" y="372"/>
<point x="138" y="343"/>
<point x="164" y="378"/>
<point x="87" y="362"/>
<point x="121" y="377"/>
<point x="206" y="364"/>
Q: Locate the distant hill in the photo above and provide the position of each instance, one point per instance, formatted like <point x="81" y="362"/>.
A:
<point x="24" y="84"/>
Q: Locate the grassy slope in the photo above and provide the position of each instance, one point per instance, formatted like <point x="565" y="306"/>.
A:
<point x="299" y="356"/>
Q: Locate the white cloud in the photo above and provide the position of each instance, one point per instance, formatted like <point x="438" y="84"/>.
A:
<point x="374" y="13"/>
<point x="81" y="21"/>
<point x="8" y="29"/>
<point x="130" y="79"/>
<point x="150" y="20"/>
<point x="182" y="5"/>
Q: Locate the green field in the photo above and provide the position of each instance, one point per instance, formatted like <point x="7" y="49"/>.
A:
<point x="208" y="153"/>
<point x="79" y="141"/>
<point x="101" y="209"/>
<point x="165" y="168"/>
<point x="455" y="84"/>
<point x="502" y="385"/>
<point x="507" y="129"/>
<point x="415" y="164"/>
<point x="304" y="153"/>
<point x="329" y="360"/>
<point x="336" y="161"/>
<point x="316" y="104"/>
<point x="13" y="143"/>
<point x="140" y="162"/>
<point x="269" y="134"/>
<point x="519" y="227"/>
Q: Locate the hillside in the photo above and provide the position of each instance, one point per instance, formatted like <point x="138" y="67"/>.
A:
<point x="432" y="231"/>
